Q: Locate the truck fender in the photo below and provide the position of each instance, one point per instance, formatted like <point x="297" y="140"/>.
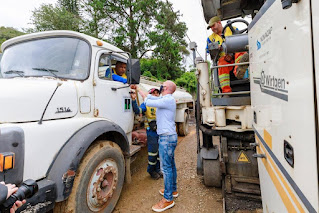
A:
<point x="180" y="114"/>
<point x="63" y="168"/>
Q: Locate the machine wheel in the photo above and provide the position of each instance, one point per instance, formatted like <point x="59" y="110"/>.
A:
<point x="98" y="182"/>
<point x="183" y="127"/>
<point x="212" y="173"/>
<point x="199" y="166"/>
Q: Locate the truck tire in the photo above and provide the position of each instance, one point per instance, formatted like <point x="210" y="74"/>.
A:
<point x="183" y="127"/>
<point x="212" y="173"/>
<point x="98" y="182"/>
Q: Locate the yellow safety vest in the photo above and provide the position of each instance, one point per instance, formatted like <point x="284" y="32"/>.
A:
<point x="217" y="38"/>
<point x="150" y="115"/>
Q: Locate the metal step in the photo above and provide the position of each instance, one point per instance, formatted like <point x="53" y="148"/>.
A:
<point x="134" y="149"/>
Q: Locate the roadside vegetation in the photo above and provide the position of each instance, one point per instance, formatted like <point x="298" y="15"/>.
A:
<point x="7" y="33"/>
<point x="149" y="29"/>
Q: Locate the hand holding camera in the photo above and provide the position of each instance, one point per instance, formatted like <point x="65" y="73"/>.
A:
<point x="16" y="196"/>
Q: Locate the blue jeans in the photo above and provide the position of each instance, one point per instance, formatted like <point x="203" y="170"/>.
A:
<point x="167" y="145"/>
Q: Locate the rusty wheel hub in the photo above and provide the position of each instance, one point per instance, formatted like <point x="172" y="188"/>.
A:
<point x="102" y="185"/>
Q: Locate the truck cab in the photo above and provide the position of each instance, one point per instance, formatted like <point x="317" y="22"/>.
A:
<point x="64" y="122"/>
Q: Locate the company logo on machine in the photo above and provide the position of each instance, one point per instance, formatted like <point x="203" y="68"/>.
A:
<point x="264" y="38"/>
<point x="242" y="157"/>
<point x="272" y="85"/>
<point x="258" y="45"/>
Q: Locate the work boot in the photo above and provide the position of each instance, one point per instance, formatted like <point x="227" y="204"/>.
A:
<point x="163" y="205"/>
<point x="160" y="174"/>
<point x="241" y="69"/>
<point x="161" y="191"/>
<point x="155" y="175"/>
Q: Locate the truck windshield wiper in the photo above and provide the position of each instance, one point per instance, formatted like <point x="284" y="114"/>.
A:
<point x="20" y="73"/>
<point x="47" y="70"/>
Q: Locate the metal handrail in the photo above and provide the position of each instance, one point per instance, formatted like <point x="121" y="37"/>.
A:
<point x="232" y="93"/>
<point x="230" y="65"/>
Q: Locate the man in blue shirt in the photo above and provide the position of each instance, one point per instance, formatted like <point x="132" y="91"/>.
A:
<point x="166" y="129"/>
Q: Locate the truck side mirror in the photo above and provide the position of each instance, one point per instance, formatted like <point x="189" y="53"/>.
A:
<point x="134" y="71"/>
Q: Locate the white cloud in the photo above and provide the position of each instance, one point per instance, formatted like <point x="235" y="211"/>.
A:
<point x="17" y="13"/>
<point x="194" y="19"/>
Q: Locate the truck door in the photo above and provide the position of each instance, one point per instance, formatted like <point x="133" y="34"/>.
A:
<point x="110" y="102"/>
<point x="284" y="103"/>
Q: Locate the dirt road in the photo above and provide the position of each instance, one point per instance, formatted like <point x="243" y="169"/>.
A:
<point x="142" y="193"/>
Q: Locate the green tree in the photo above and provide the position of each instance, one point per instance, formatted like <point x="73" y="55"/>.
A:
<point x="71" y="6"/>
<point x="7" y="33"/>
<point x="49" y="17"/>
<point x="188" y="81"/>
<point x="131" y="21"/>
<point x="94" y="18"/>
<point x="169" y="42"/>
<point x="141" y="27"/>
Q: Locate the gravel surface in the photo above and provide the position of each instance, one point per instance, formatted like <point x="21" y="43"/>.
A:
<point x="194" y="196"/>
<point x="142" y="193"/>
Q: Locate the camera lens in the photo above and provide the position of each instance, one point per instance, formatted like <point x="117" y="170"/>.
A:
<point x="27" y="189"/>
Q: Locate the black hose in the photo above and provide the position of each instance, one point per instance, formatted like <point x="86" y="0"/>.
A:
<point x="243" y="136"/>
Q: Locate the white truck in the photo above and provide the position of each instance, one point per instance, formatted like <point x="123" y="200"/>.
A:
<point x="283" y="54"/>
<point x="64" y="122"/>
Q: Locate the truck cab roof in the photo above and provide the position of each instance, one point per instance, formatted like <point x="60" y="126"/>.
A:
<point x="62" y="33"/>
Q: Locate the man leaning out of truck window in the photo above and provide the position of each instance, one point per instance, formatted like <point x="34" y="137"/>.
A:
<point x="118" y="73"/>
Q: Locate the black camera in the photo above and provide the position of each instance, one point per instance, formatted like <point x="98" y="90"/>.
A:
<point x="27" y="189"/>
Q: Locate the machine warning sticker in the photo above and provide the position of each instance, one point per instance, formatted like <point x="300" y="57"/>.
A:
<point x="242" y="157"/>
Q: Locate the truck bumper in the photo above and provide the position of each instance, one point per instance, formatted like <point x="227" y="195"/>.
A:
<point x="43" y="200"/>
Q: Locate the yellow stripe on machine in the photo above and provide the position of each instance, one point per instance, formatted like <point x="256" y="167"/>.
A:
<point x="273" y="175"/>
<point x="268" y="139"/>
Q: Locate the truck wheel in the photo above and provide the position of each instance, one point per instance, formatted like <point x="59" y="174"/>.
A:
<point x="98" y="182"/>
<point x="212" y="173"/>
<point x="183" y="127"/>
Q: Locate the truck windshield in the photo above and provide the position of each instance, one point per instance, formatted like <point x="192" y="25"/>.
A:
<point x="57" y="57"/>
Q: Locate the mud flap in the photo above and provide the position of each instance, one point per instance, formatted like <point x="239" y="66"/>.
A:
<point x="128" y="178"/>
<point x="207" y="154"/>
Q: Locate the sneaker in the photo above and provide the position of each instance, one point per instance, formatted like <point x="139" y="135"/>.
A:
<point x="163" y="205"/>
<point x="155" y="175"/>
<point x="175" y="194"/>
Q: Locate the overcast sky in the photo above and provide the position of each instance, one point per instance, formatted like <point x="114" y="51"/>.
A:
<point x="17" y="13"/>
